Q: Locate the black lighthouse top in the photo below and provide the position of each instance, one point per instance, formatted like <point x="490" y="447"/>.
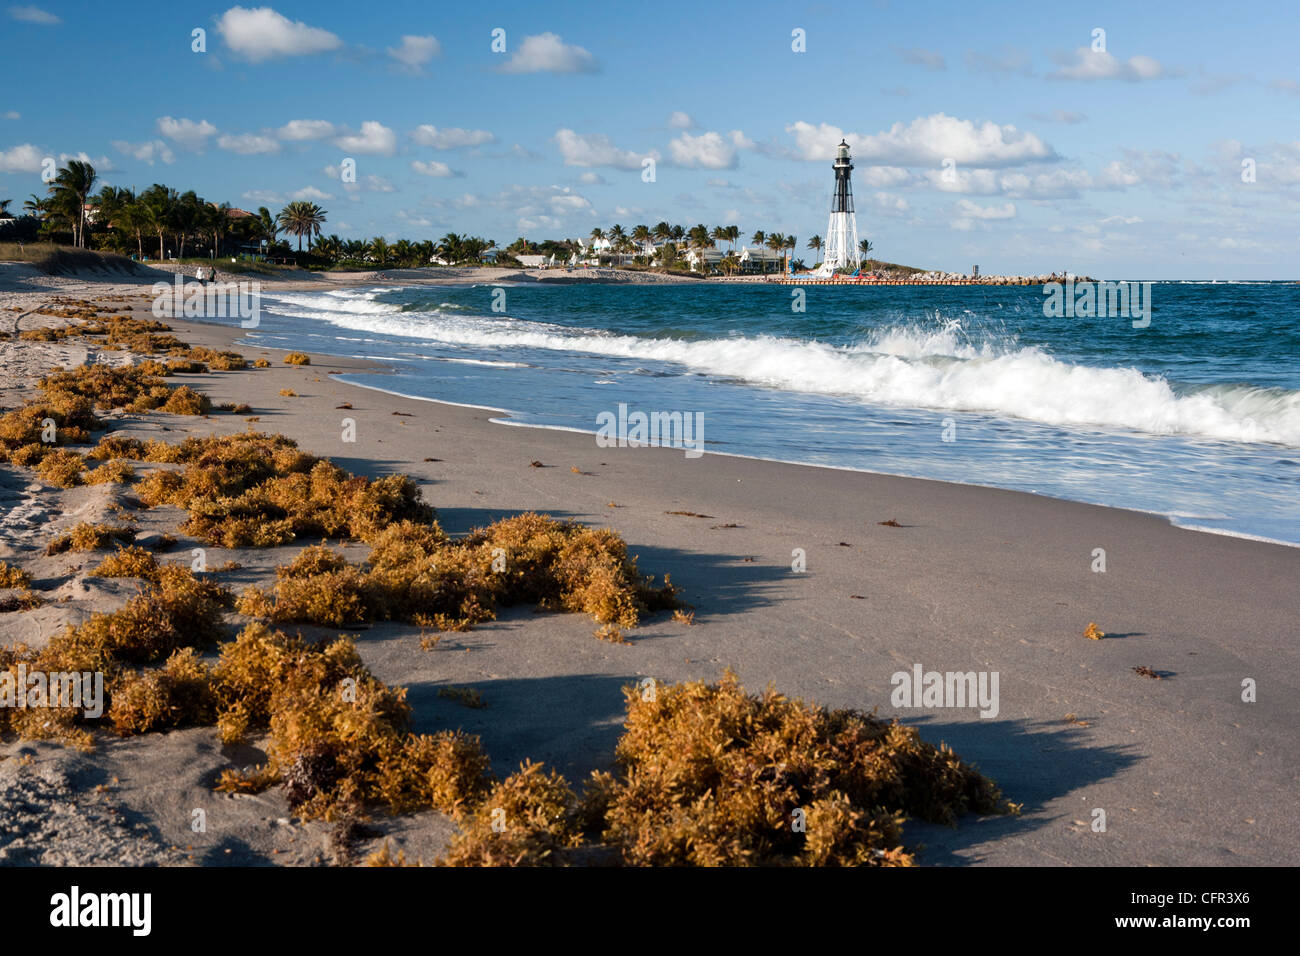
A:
<point x="842" y="198"/>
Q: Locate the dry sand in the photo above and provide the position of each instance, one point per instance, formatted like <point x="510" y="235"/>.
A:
<point x="973" y="579"/>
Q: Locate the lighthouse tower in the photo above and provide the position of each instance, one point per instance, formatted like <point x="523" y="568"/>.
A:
<point x="842" y="233"/>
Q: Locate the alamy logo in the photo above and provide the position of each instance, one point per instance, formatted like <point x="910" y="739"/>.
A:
<point x="212" y="300"/>
<point x="103" y="909"/>
<point x="80" y="690"/>
<point x="639" y="430"/>
<point x="950" y="689"/>
<point x="1102" y="300"/>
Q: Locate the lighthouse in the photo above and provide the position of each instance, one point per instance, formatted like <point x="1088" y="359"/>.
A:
<point x="842" y="233"/>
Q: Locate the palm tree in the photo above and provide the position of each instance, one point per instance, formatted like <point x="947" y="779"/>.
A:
<point x="70" y="189"/>
<point x="450" y="248"/>
<point x="301" y="218"/>
<point x="729" y="263"/>
<point x="791" y="242"/>
<point x="662" y="232"/>
<point x="216" y="220"/>
<point x="402" y="252"/>
<point x="380" y="250"/>
<point x="329" y="247"/>
<point x="775" y="241"/>
<point x="865" y="247"/>
<point x="641" y="236"/>
<point x="733" y="236"/>
<point x="36" y="206"/>
<point x="815" y="244"/>
<point x="264" y="228"/>
<point x="616" y="238"/>
<point x="159" y="204"/>
<point x="667" y="255"/>
<point x="4" y="206"/>
<point x="190" y="216"/>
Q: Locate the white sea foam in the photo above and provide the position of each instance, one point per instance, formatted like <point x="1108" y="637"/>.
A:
<point x="906" y="366"/>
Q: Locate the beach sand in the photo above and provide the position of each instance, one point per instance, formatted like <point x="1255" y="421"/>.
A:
<point x="970" y="579"/>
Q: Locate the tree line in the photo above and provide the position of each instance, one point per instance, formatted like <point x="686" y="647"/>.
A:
<point x="120" y="219"/>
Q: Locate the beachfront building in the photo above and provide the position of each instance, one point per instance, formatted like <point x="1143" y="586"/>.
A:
<point x="758" y="259"/>
<point x="706" y="260"/>
<point x="842" y="252"/>
<point x="751" y="261"/>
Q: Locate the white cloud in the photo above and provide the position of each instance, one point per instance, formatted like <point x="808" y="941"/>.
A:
<point x="377" y="184"/>
<point x="537" y="208"/>
<point x="1059" y="116"/>
<point x="969" y="213"/>
<point x="1054" y="184"/>
<point x="312" y="193"/>
<point x="889" y="204"/>
<point x="882" y="175"/>
<point x="450" y="138"/>
<point x="432" y="168"/>
<point x="13" y="114"/>
<point x="927" y="141"/>
<point x="974" y="210"/>
<point x="374" y="138"/>
<point x="305" y="129"/>
<point x="415" y="51"/>
<point x="103" y="164"/>
<point x="149" y="152"/>
<point x="248" y="144"/>
<point x="185" y="132"/>
<point x="21" y="159"/>
<point x="708" y="151"/>
<point x="547" y="53"/>
<point x="592" y="179"/>
<point x="30" y="14"/>
<point x="1008" y="59"/>
<point x="1118" y="175"/>
<point x="679" y="120"/>
<point x="262" y="34"/>
<point x="930" y="59"/>
<point x="264" y="196"/>
<point x="594" y="150"/>
<point x="1088" y="64"/>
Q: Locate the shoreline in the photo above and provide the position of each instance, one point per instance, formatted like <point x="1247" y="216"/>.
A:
<point x="968" y="577"/>
<point x="504" y="418"/>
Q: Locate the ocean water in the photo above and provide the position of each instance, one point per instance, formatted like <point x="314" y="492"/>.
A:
<point x="1196" y="416"/>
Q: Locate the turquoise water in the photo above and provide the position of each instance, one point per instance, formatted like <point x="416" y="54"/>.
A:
<point x="1196" y="416"/>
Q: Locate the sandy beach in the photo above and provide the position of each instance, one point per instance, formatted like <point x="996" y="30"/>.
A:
<point x="899" y="572"/>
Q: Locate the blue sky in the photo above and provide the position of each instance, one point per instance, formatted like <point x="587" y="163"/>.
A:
<point x="993" y="134"/>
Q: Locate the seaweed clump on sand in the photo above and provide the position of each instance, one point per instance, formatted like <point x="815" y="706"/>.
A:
<point x="709" y="775"/>
<point x="260" y="490"/>
<point x="339" y="737"/>
<point x="89" y="537"/>
<point x="416" y="573"/>
<point x="174" y="614"/>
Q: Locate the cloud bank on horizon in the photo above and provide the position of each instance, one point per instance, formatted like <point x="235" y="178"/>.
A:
<point x="1134" y="142"/>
